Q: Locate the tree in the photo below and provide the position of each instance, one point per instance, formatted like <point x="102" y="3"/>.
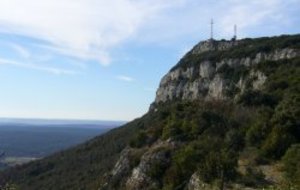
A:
<point x="292" y="165"/>
<point x="220" y="166"/>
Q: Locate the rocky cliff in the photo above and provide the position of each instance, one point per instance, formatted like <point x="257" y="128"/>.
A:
<point x="211" y="79"/>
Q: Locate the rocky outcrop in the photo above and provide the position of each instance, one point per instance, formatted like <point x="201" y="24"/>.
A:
<point x="122" y="167"/>
<point x="155" y="159"/>
<point x="141" y="175"/>
<point x="196" y="184"/>
<point x="207" y="79"/>
<point x="212" y="45"/>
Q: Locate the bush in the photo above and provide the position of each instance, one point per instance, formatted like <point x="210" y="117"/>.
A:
<point x="260" y="128"/>
<point x="253" y="177"/>
<point x="291" y="161"/>
<point x="257" y="98"/>
<point x="139" y="140"/>
<point x="277" y="143"/>
<point x="218" y="165"/>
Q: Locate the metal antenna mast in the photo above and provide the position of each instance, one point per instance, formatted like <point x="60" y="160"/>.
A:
<point x="235" y="32"/>
<point x="212" y="29"/>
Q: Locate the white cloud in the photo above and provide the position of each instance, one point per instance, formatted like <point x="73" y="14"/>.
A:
<point x="247" y="14"/>
<point x="51" y="70"/>
<point x="91" y="29"/>
<point x="85" y="29"/>
<point x="191" y="20"/>
<point x="125" y="78"/>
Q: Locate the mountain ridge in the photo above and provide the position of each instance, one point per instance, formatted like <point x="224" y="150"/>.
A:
<point x="223" y="118"/>
<point x="205" y="79"/>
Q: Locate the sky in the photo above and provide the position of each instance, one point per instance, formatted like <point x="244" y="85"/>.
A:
<point x="99" y="59"/>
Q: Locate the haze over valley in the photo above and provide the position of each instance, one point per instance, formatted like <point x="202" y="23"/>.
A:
<point x="25" y="140"/>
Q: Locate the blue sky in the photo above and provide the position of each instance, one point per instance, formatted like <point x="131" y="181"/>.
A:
<point x="98" y="59"/>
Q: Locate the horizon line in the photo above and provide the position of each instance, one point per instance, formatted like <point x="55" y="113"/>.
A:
<point x="61" y="119"/>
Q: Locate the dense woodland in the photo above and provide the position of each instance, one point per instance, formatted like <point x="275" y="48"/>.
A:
<point x="262" y="127"/>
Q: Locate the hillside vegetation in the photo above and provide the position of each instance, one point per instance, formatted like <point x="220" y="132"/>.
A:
<point x="77" y="168"/>
<point x="252" y="140"/>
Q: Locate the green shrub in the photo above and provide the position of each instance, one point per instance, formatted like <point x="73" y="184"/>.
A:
<point x="218" y="165"/>
<point x="291" y="161"/>
<point x="253" y="177"/>
<point x="257" y="98"/>
<point x="260" y="128"/>
<point x="277" y="143"/>
<point x="139" y="140"/>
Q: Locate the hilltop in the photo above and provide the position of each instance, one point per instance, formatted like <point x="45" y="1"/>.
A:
<point x="226" y="116"/>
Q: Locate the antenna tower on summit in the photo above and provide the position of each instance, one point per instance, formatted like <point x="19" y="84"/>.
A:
<point x="212" y="29"/>
<point x="235" y="32"/>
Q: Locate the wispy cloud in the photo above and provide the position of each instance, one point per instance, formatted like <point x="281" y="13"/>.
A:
<point x="92" y="29"/>
<point x="51" y="70"/>
<point x="247" y="14"/>
<point x="22" y="51"/>
<point x="86" y="29"/>
<point x="125" y="78"/>
<point x="192" y="18"/>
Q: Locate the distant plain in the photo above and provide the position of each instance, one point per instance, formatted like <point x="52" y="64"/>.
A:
<point x="22" y="140"/>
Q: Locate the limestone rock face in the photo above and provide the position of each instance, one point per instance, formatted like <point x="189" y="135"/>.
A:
<point x="212" y="45"/>
<point x="196" y="184"/>
<point x="140" y="177"/>
<point x="206" y="81"/>
<point x="121" y="169"/>
<point x="122" y="166"/>
<point x="216" y="88"/>
<point x="207" y="70"/>
<point x="260" y="79"/>
<point x="155" y="158"/>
